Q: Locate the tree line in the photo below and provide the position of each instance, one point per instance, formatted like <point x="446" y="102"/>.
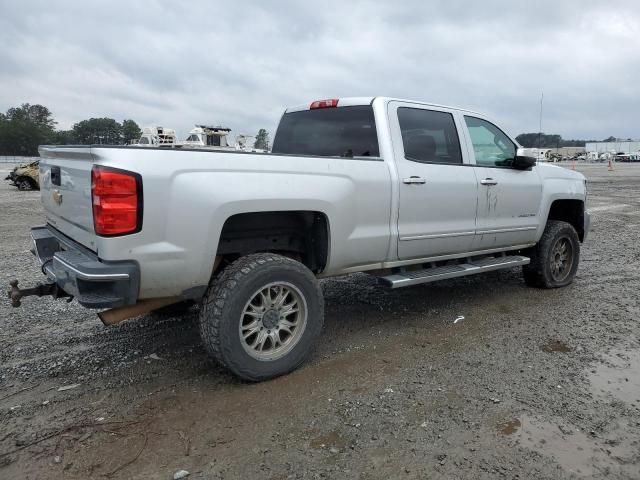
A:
<point x="25" y="127"/>
<point x="544" y="140"/>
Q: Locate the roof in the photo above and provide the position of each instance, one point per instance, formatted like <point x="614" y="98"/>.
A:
<point x="353" y="101"/>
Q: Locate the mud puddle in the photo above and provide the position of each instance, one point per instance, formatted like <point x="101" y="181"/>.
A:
<point x="556" y="346"/>
<point x="577" y="452"/>
<point x="618" y="375"/>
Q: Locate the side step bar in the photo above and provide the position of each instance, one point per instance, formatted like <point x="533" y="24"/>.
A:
<point x="487" y="264"/>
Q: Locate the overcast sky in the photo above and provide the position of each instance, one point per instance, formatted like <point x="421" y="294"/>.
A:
<point x="239" y="64"/>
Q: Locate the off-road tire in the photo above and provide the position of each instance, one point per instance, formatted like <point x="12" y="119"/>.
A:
<point x="539" y="272"/>
<point x="225" y="300"/>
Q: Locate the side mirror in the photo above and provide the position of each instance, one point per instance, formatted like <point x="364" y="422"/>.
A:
<point x="522" y="162"/>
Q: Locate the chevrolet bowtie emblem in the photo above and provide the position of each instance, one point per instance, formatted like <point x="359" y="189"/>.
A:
<point x="57" y="197"/>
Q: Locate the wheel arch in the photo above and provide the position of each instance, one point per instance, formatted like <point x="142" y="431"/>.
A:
<point x="300" y="234"/>
<point x="570" y="211"/>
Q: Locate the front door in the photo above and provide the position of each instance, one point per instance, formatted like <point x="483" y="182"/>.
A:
<point x="437" y="185"/>
<point x="508" y="199"/>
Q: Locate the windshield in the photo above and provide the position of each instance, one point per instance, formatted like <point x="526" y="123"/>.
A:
<point x="328" y="132"/>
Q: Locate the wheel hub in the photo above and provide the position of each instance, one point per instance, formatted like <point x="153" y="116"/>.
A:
<point x="270" y="319"/>
<point x="561" y="259"/>
<point x="273" y="321"/>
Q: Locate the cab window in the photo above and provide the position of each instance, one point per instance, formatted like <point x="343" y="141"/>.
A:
<point x="328" y="132"/>
<point x="429" y="136"/>
<point x="492" y="148"/>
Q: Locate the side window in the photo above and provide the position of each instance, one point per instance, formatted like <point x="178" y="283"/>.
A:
<point x="429" y="137"/>
<point x="491" y="146"/>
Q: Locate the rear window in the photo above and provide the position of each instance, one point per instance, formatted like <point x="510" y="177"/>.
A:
<point x="328" y="132"/>
<point x="429" y="136"/>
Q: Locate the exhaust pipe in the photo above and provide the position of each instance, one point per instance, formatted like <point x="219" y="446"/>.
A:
<point x="120" y="314"/>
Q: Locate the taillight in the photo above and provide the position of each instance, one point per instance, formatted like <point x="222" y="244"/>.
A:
<point x="117" y="201"/>
<point x="329" y="103"/>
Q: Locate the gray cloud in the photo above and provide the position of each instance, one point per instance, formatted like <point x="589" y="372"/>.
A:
<point x="180" y="63"/>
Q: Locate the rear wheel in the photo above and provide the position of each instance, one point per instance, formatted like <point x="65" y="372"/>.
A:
<point x="262" y="315"/>
<point x="554" y="260"/>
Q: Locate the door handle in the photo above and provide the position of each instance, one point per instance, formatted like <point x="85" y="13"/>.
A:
<point x="488" y="181"/>
<point x="414" y="180"/>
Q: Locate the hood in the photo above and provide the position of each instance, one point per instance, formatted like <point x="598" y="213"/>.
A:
<point x="548" y="170"/>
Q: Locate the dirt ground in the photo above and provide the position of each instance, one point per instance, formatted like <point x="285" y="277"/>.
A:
<point x="531" y="384"/>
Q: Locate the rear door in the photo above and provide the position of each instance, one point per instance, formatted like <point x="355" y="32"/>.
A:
<point x="437" y="184"/>
<point x="65" y="187"/>
<point x="508" y="199"/>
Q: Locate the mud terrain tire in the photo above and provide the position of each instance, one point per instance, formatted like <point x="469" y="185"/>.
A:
<point x="555" y="259"/>
<point x="246" y="296"/>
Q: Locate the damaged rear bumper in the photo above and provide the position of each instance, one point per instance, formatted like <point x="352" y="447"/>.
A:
<point x="80" y="273"/>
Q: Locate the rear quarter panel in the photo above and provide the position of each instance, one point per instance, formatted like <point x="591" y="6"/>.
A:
<point x="188" y="196"/>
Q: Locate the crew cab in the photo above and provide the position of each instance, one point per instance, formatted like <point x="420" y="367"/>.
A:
<point x="411" y="192"/>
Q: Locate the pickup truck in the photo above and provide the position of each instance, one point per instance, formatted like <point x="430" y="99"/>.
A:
<point x="410" y="192"/>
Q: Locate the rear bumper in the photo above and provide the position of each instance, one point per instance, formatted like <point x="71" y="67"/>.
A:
<point x="80" y="273"/>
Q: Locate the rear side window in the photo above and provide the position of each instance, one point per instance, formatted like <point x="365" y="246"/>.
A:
<point x="429" y="137"/>
<point x="328" y="132"/>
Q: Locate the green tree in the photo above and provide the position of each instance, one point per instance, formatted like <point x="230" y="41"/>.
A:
<point x="63" y="137"/>
<point x="98" y="131"/>
<point x="25" y="127"/>
<point x="130" y="131"/>
<point x="262" y="140"/>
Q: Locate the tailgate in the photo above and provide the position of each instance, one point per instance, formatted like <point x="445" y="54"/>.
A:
<point x="65" y="186"/>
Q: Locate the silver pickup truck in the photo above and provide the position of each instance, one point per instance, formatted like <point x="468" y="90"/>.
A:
<point x="410" y="192"/>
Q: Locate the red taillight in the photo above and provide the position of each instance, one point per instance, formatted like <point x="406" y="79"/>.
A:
<point x="117" y="201"/>
<point x="329" y="103"/>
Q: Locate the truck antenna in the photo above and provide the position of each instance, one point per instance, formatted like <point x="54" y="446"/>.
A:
<point x="540" y="129"/>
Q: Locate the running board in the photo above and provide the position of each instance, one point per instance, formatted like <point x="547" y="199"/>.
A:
<point x="487" y="264"/>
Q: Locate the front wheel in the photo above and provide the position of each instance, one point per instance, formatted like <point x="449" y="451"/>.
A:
<point x="261" y="316"/>
<point x="554" y="260"/>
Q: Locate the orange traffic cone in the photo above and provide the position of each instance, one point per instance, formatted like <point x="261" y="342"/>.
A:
<point x="610" y="166"/>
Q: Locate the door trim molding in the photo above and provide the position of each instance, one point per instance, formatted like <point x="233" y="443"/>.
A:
<point x="506" y="230"/>
<point x="437" y="235"/>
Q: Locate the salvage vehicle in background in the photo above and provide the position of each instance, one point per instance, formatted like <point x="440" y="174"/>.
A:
<point x="26" y="177"/>
<point x="157" y="137"/>
<point x="408" y="191"/>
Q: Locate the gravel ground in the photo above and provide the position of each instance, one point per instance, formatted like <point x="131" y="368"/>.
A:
<point x="531" y="384"/>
